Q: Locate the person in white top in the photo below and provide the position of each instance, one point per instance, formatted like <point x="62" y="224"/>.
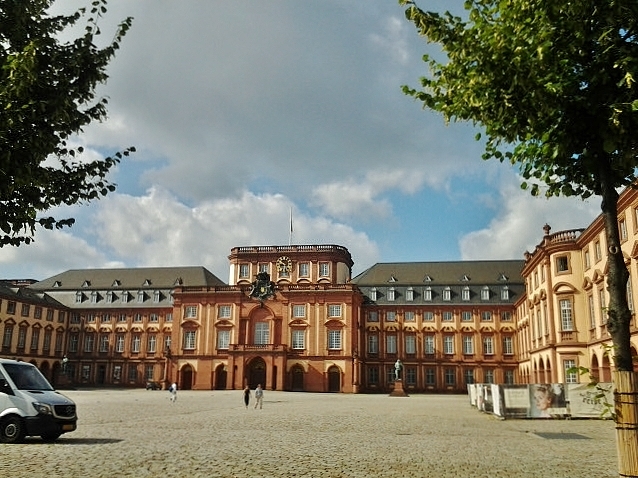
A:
<point x="259" y="396"/>
<point x="173" y="390"/>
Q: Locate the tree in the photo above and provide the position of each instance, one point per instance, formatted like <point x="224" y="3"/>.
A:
<point x="553" y="85"/>
<point x="47" y="95"/>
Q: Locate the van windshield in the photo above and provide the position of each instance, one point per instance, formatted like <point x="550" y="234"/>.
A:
<point x="26" y="377"/>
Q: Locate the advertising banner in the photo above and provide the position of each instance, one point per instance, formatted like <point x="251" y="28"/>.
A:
<point x="547" y="400"/>
<point x="589" y="401"/>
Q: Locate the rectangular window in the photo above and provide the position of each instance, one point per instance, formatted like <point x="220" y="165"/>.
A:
<point x="567" y="322"/>
<point x="486" y="316"/>
<point x="485" y="293"/>
<point x="508" y="346"/>
<point x="149" y="372"/>
<point x="488" y="375"/>
<point x="447" y="294"/>
<point x="104" y="343"/>
<point x="334" y="340"/>
<point x="141" y="296"/>
<point x="94" y="297"/>
<point x="121" y="318"/>
<point x="244" y="271"/>
<point x="324" y="269"/>
<point x="7" y="336"/>
<point x="223" y="339"/>
<point x="450" y="378"/>
<point x="151" y="346"/>
<point x="190" y="339"/>
<point x="562" y="264"/>
<point x="598" y="253"/>
<point x="391" y="294"/>
<point x="304" y="269"/>
<point x="448" y="316"/>
<point x="298" y="339"/>
<point x="409" y="294"/>
<point x="390" y="316"/>
<point x="119" y="343"/>
<point x="603" y="306"/>
<point x="11" y="307"/>
<point x="109" y="297"/>
<point x="448" y="345"/>
<point x="262" y="333"/>
<point x="373" y="294"/>
<point x="409" y="316"/>
<point x="587" y="260"/>
<point x="373" y="344"/>
<point x="167" y="343"/>
<point x="299" y="311"/>
<point x="73" y="343"/>
<point x="505" y="293"/>
<point x="410" y="344"/>
<point x="59" y="342"/>
<point x="592" y="311"/>
<point x="35" y="339"/>
<point x="37" y="313"/>
<point x="430" y="376"/>
<point x="157" y="296"/>
<point x="509" y="377"/>
<point x="169" y="317"/>
<point x="373" y="376"/>
<point x="465" y="294"/>
<point x="79" y="297"/>
<point x="136" y="342"/>
<point x="468" y="345"/>
<point x="137" y="318"/>
<point x="90" y="318"/>
<point x="571" y="376"/>
<point x="630" y="295"/>
<point x="61" y="316"/>
<point x="506" y="316"/>
<point x="410" y="375"/>
<point x="153" y="318"/>
<point x="429" y="345"/>
<point x="190" y="312"/>
<point x="428" y="316"/>
<point x="117" y="373"/>
<point x="468" y="376"/>
<point x="622" y="229"/>
<point x="265" y="267"/>
<point x="86" y="372"/>
<point x="124" y="297"/>
<point x="373" y="316"/>
<point x="22" y="337"/>
<point x="224" y="311"/>
<point x="25" y="310"/>
<point x="334" y="310"/>
<point x="132" y="373"/>
<point x="466" y="316"/>
<point x="46" y="346"/>
<point x="89" y="341"/>
<point x="488" y="345"/>
<point x="391" y="344"/>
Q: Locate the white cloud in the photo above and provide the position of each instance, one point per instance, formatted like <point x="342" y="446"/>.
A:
<point x="518" y="224"/>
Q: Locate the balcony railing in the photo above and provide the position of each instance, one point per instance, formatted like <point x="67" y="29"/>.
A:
<point x="258" y="348"/>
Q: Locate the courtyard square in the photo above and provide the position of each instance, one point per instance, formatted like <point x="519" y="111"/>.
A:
<point x="140" y="433"/>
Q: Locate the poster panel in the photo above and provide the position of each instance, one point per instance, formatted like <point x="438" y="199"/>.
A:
<point x="547" y="400"/>
<point x="516" y="401"/>
<point x="498" y="405"/>
<point x="587" y="401"/>
<point x="471" y="390"/>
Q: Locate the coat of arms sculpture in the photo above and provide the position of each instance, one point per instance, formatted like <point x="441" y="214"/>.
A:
<point x="262" y="287"/>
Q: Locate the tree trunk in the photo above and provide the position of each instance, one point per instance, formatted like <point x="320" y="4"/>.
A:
<point x="618" y="325"/>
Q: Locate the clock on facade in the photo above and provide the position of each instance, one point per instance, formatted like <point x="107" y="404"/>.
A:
<point x="284" y="264"/>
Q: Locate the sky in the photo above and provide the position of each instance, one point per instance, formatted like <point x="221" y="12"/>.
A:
<point x="247" y="113"/>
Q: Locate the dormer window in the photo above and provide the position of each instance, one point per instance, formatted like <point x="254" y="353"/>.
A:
<point x="465" y="293"/>
<point x="79" y="297"/>
<point x="94" y="297"/>
<point x="392" y="279"/>
<point x="409" y="294"/>
<point x="427" y="278"/>
<point x="427" y="294"/>
<point x="465" y="278"/>
<point x="505" y="293"/>
<point x="447" y="294"/>
<point x="157" y="296"/>
<point x="109" y="297"/>
<point x="116" y="283"/>
<point x="57" y="284"/>
<point x="373" y="293"/>
<point x="124" y="297"/>
<point x="140" y="296"/>
<point x="147" y="282"/>
<point x="86" y="284"/>
<point x="485" y="293"/>
<point x="391" y="294"/>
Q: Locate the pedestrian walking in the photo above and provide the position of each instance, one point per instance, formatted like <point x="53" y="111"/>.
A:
<point x="246" y="396"/>
<point x="173" y="391"/>
<point x="259" y="396"/>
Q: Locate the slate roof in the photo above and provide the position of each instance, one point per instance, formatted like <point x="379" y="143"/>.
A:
<point x="131" y="278"/>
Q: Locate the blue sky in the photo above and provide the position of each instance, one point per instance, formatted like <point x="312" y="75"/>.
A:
<point x="243" y="111"/>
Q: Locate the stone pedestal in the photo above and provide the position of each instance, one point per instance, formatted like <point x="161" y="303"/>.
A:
<point x="398" y="389"/>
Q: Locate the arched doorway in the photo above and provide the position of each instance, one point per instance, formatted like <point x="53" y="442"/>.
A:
<point x="334" y="379"/>
<point x="257" y="373"/>
<point x="297" y="378"/>
<point x="605" y="370"/>
<point x="594" y="371"/>
<point x="220" y="378"/>
<point x="186" y="382"/>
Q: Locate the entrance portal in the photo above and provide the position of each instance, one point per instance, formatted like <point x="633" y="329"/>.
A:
<point x="297" y="378"/>
<point x="257" y="373"/>
<point x="334" y="379"/>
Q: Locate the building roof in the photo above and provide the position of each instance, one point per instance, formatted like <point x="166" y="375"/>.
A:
<point x="10" y="291"/>
<point x="442" y="273"/>
<point x="135" y="278"/>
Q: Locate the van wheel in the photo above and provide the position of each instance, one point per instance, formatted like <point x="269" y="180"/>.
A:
<point x="12" y="430"/>
<point x="50" y="437"/>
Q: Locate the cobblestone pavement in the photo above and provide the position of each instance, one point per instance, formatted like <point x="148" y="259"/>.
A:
<point x="139" y="433"/>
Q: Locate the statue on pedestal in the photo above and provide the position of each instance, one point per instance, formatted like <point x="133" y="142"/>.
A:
<point x="398" y="367"/>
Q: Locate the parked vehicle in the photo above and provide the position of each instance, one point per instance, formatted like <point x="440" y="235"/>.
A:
<point x="29" y="406"/>
<point x="153" y="386"/>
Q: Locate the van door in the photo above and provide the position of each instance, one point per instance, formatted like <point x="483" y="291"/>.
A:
<point x="5" y="394"/>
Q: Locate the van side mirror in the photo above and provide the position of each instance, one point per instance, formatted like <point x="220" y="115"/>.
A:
<point x="5" y="387"/>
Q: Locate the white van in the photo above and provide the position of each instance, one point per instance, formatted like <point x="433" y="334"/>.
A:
<point x="29" y="406"/>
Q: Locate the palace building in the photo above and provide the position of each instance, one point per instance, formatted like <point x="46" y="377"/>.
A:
<point x="293" y="318"/>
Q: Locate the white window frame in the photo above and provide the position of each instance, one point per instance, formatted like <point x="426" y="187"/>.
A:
<point x="448" y="345"/>
<point x="409" y="294"/>
<point x="225" y="311"/>
<point x="373" y="344"/>
<point x="391" y="294"/>
<point x="390" y="316"/>
<point x="488" y="345"/>
<point x="429" y="345"/>
<point x="447" y="294"/>
<point x="298" y="339"/>
<point x="190" y="312"/>
<point x="410" y="344"/>
<point x="468" y="345"/>
<point x="334" y="310"/>
<point x="465" y="293"/>
<point x="334" y="339"/>
<point x="571" y="377"/>
<point x="190" y="339"/>
<point x="223" y="339"/>
<point x="324" y="269"/>
<point x="391" y="344"/>
<point x="299" y="311"/>
<point x="262" y="333"/>
<point x="566" y="315"/>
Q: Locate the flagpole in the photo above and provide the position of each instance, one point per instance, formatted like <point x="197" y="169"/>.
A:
<point x="290" y="236"/>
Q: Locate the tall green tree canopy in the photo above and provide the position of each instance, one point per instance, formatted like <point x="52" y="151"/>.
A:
<point x="47" y="95"/>
<point x="552" y="83"/>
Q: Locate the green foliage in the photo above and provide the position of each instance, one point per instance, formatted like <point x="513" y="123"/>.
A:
<point x="608" y="409"/>
<point x="553" y="84"/>
<point x="47" y="95"/>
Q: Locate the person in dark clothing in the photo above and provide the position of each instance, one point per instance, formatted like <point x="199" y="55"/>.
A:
<point x="246" y="395"/>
